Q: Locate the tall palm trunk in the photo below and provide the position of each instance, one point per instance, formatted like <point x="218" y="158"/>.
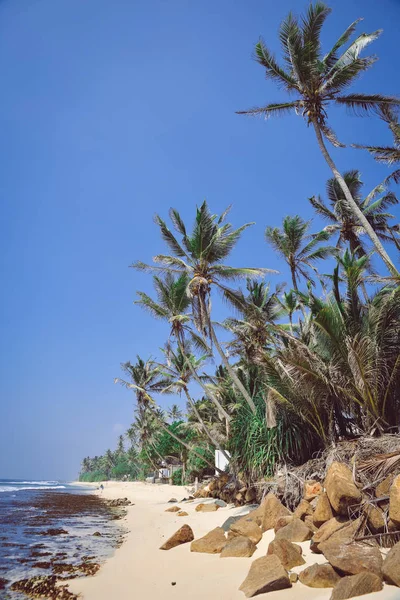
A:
<point x="352" y="204"/>
<point x="205" y="389"/>
<point x="204" y="426"/>
<point x="165" y="428"/>
<point x="235" y="379"/>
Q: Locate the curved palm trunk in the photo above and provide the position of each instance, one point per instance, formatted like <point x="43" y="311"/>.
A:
<point x="165" y="428"/>
<point x="204" y="426"/>
<point x="352" y="204"/>
<point x="197" y="379"/>
<point x="235" y="379"/>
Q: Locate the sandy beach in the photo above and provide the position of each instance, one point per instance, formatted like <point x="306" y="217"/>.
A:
<point x="138" y="569"/>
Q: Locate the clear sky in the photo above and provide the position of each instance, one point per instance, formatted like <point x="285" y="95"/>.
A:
<point x="110" y="112"/>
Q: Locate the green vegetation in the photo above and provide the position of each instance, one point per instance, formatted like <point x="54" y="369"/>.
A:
<point x="291" y="369"/>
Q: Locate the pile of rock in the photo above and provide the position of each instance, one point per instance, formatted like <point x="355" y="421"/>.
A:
<point x="332" y="516"/>
<point x="119" y="502"/>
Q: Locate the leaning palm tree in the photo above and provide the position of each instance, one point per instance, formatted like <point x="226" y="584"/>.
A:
<point x="317" y="81"/>
<point x="172" y="304"/>
<point x="342" y="221"/>
<point x="389" y="155"/>
<point x="298" y="248"/>
<point x="146" y="379"/>
<point x="199" y="256"/>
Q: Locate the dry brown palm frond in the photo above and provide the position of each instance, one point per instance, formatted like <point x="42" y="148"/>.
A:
<point x="381" y="465"/>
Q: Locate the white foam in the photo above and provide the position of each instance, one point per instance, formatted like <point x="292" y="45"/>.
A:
<point x="8" y="488"/>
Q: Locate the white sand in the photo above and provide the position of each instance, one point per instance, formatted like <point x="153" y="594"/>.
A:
<point x="138" y="569"/>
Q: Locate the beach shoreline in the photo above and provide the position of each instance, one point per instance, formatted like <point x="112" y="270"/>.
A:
<point x="139" y="569"/>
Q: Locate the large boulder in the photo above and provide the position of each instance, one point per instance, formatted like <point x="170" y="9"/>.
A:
<point x="394" y="506"/>
<point x="391" y="566"/>
<point x="182" y="536"/>
<point x="303" y="510"/>
<point x="341" y="489"/>
<point x="282" y="522"/>
<point x="289" y="554"/>
<point x="295" y="531"/>
<point x="383" y="488"/>
<point x="249" y="529"/>
<point x="238" y="546"/>
<point x="182" y="513"/>
<point x="352" y="558"/>
<point x="375" y="518"/>
<point x="319" y="576"/>
<point x="212" y="543"/>
<point x="311" y="489"/>
<point x="323" y="510"/>
<point x="209" y="507"/>
<point x="266" y="574"/>
<point x="326" y="530"/>
<point x="308" y="520"/>
<point x="173" y="509"/>
<point x="356" y="585"/>
<point x="269" y="512"/>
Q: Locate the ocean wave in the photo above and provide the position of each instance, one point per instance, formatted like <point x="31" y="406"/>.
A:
<point x="31" y="482"/>
<point x="9" y="488"/>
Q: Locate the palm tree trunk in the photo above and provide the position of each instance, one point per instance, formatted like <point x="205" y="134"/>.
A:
<point x="204" y="426"/>
<point x="352" y="204"/>
<point x="205" y="389"/>
<point x="165" y="428"/>
<point x="235" y="379"/>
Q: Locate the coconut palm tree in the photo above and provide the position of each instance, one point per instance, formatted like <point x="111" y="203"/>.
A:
<point x="315" y="81"/>
<point x="172" y="305"/>
<point x="342" y="221"/>
<point x="146" y="379"/>
<point x="178" y="373"/>
<point x="175" y="413"/>
<point x="389" y="155"/>
<point x="199" y="256"/>
<point x="298" y="248"/>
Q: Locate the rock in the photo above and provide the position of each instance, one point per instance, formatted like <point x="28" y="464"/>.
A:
<point x="326" y="530"/>
<point x="248" y="529"/>
<point x="173" y="509"/>
<point x="310" y="523"/>
<point x="120" y="502"/>
<point x="293" y="577"/>
<point x="311" y="490"/>
<point x="238" y="546"/>
<point x="212" y="543"/>
<point x="56" y="531"/>
<point x="250" y="495"/>
<point x="182" y="536"/>
<point x="3" y="583"/>
<point x="282" y="522"/>
<point x="43" y="587"/>
<point x="220" y="503"/>
<point x="356" y="585"/>
<point x="173" y="500"/>
<point x="341" y="489"/>
<point x="270" y="510"/>
<point x="383" y="488"/>
<point x="394" y="505"/>
<point x="210" y="507"/>
<point x="295" y="531"/>
<point x="391" y="566"/>
<point x="376" y="519"/>
<point x="266" y="575"/>
<point x="352" y="558"/>
<point x="323" y="510"/>
<point x="303" y="510"/>
<point x="226" y="525"/>
<point x="97" y="534"/>
<point x="182" y="513"/>
<point x="289" y="554"/>
<point x="319" y="576"/>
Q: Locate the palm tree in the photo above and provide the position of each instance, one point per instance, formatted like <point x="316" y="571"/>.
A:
<point x="290" y="303"/>
<point x="178" y="375"/>
<point x="389" y="155"/>
<point x="146" y="379"/>
<point x="297" y="247"/>
<point x="319" y="80"/>
<point x="172" y="305"/>
<point x="342" y="221"/>
<point x="175" y="413"/>
<point x="199" y="256"/>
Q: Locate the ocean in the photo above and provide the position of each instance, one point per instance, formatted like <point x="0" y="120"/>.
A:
<point x="52" y="528"/>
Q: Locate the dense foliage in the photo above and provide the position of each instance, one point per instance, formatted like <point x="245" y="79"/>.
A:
<point x="297" y="367"/>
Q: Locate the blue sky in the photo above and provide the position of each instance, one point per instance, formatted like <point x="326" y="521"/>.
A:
<point x="111" y="112"/>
